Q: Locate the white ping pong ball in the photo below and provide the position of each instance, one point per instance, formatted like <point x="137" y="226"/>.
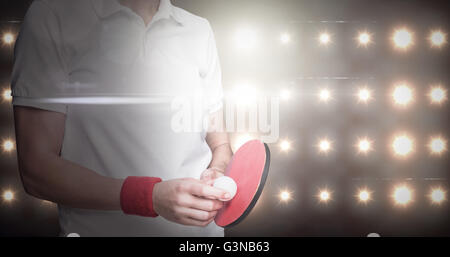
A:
<point x="227" y="184"/>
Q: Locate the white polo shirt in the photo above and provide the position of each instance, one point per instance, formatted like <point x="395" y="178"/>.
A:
<point x="90" y="59"/>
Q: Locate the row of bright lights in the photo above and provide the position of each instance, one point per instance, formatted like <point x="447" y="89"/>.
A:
<point x="402" y="94"/>
<point x="246" y="38"/>
<point x="402" y="195"/>
<point x="402" y="38"/>
<point x="402" y="145"/>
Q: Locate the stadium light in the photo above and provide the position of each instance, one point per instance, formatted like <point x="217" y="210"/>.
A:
<point x="324" y="146"/>
<point x="246" y="38"/>
<point x="324" y="38"/>
<point x="364" y="195"/>
<point x="285" y="38"/>
<point x="437" y="95"/>
<point x="285" y="196"/>
<point x="364" y="145"/>
<point x="402" y="145"/>
<point x="8" y="145"/>
<point x="240" y="140"/>
<point x="8" y="195"/>
<point x="324" y="95"/>
<point x="402" y="195"/>
<point x="437" y="38"/>
<point x="285" y="146"/>
<point x="285" y="94"/>
<point x="402" y="39"/>
<point x="6" y="95"/>
<point x="437" y="195"/>
<point x="364" y="95"/>
<point x="403" y="94"/>
<point x="437" y="145"/>
<point x="324" y="195"/>
<point x="8" y="38"/>
<point x="364" y="38"/>
<point x="245" y="94"/>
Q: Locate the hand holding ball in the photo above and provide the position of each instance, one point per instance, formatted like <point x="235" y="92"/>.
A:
<point x="227" y="184"/>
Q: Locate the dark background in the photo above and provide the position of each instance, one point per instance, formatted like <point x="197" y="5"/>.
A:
<point x="304" y="67"/>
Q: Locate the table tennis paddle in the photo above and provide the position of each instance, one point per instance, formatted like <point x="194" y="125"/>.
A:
<point x="249" y="168"/>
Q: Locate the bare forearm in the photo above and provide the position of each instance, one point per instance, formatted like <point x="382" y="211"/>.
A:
<point x="55" y="179"/>
<point x="47" y="176"/>
<point x="221" y="150"/>
<point x="221" y="157"/>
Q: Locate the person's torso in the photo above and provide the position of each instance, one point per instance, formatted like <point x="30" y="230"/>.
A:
<point x="113" y="60"/>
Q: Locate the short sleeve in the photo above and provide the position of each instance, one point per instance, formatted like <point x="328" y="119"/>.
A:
<point x="213" y="76"/>
<point x="39" y="72"/>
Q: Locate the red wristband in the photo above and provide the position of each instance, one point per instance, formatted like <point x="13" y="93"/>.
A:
<point x="136" y="196"/>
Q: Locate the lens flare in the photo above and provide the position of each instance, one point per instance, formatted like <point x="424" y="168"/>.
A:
<point x="437" y="95"/>
<point x="245" y="93"/>
<point x="437" y="38"/>
<point x="324" y="146"/>
<point x="364" y="38"/>
<point x="403" y="145"/>
<point x="403" y="94"/>
<point x="8" y="145"/>
<point x="324" y="95"/>
<point x="285" y="145"/>
<point x="324" y="38"/>
<point x="402" y="195"/>
<point x="324" y="195"/>
<point x="364" y="195"/>
<point x="364" y="95"/>
<point x="240" y="140"/>
<point x="437" y="145"/>
<point x="8" y="38"/>
<point x="8" y="195"/>
<point x="285" y="196"/>
<point x="246" y="38"/>
<point x="402" y="39"/>
<point x="437" y="195"/>
<point x="285" y="94"/>
<point x="364" y="145"/>
<point x="6" y="95"/>
<point x="285" y="38"/>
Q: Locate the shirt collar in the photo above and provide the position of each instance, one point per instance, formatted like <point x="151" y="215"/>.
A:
<point x="105" y="8"/>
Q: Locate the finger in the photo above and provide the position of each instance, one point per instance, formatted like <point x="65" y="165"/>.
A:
<point x="216" y="175"/>
<point x="211" y="174"/>
<point x="207" y="191"/>
<point x="207" y="175"/>
<point x="197" y="214"/>
<point x="210" y="182"/>
<point x="192" y="222"/>
<point x="204" y="204"/>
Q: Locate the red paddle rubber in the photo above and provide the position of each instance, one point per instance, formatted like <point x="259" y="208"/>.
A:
<point x="249" y="169"/>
